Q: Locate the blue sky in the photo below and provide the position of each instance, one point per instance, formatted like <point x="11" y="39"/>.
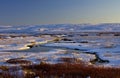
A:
<point x="24" y="12"/>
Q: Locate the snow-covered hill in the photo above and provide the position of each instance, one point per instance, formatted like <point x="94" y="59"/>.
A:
<point x="28" y="29"/>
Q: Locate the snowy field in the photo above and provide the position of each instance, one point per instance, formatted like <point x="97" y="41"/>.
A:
<point x="51" y="43"/>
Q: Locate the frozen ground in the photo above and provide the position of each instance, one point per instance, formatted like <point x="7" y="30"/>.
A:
<point x="107" y="48"/>
<point x="38" y="43"/>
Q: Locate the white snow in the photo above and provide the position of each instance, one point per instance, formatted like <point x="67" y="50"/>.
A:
<point x="106" y="46"/>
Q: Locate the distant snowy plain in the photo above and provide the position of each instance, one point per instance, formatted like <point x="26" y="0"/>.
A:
<point x="14" y="45"/>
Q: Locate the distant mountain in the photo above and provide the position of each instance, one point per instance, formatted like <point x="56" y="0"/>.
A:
<point x="60" y="28"/>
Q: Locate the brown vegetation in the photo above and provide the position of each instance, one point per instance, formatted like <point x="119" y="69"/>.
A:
<point x="70" y="60"/>
<point x="18" y="61"/>
<point x="68" y="70"/>
<point x="64" y="70"/>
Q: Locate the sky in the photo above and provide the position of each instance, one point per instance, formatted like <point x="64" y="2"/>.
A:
<point x="29" y="12"/>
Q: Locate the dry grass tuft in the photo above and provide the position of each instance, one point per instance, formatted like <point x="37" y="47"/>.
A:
<point x="70" y="60"/>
